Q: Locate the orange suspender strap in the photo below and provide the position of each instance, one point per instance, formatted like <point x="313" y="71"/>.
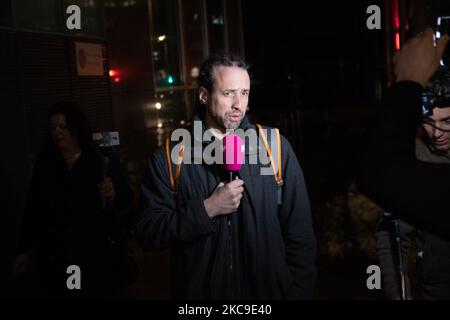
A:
<point x="277" y="173"/>
<point x="173" y="185"/>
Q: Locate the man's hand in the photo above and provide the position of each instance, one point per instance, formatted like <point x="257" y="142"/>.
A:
<point x="419" y="58"/>
<point x="225" y="199"/>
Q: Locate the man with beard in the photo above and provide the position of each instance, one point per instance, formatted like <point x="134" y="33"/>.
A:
<point x="251" y="238"/>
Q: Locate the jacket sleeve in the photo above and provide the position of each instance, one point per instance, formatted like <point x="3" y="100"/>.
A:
<point x="416" y="191"/>
<point x="296" y="223"/>
<point x="124" y="195"/>
<point x="164" y="222"/>
<point x="32" y="219"/>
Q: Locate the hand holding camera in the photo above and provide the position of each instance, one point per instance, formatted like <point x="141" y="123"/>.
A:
<point x="420" y="57"/>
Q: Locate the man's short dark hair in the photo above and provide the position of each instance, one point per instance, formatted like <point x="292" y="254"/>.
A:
<point x="206" y="79"/>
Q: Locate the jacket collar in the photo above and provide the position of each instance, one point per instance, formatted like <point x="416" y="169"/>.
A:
<point x="244" y="172"/>
<point x="198" y="141"/>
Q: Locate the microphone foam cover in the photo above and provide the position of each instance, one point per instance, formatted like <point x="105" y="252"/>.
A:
<point x="233" y="152"/>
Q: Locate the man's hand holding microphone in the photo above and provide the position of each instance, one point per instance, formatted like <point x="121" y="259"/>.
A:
<point x="226" y="198"/>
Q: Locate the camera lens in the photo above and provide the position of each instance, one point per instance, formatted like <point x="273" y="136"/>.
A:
<point x="442" y="28"/>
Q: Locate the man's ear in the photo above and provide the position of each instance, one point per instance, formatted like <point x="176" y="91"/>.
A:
<point x="203" y="95"/>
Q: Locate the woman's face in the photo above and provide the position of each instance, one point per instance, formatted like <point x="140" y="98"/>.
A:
<point x="61" y="135"/>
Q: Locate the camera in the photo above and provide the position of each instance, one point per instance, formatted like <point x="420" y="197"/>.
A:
<point x="443" y="27"/>
<point x="106" y="139"/>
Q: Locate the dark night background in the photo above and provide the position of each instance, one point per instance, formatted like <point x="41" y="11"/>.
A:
<point x="317" y="73"/>
<point x="322" y="60"/>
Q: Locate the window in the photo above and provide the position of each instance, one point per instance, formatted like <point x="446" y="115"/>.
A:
<point x="216" y="26"/>
<point x="169" y="109"/>
<point x="35" y="15"/>
<point x="183" y="34"/>
<point x="193" y="38"/>
<point x="165" y="43"/>
<point x="5" y="13"/>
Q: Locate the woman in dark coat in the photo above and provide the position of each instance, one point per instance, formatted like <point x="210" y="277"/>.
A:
<point x="69" y="214"/>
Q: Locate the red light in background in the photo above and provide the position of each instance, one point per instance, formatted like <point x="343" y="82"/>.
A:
<point x="397" y="41"/>
<point x="113" y="73"/>
<point x="396" y="15"/>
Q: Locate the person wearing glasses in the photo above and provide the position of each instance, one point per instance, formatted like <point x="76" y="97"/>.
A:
<point x="425" y="256"/>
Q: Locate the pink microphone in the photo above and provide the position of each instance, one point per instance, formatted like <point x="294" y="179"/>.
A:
<point x="233" y="153"/>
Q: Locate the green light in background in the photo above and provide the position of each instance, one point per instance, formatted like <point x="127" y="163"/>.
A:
<point x="170" y="79"/>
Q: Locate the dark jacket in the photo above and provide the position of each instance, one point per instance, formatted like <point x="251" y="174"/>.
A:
<point x="426" y="257"/>
<point x="64" y="223"/>
<point x="265" y="252"/>
<point x="418" y="192"/>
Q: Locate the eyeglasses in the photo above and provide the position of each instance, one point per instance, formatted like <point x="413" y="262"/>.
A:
<point x="444" y="126"/>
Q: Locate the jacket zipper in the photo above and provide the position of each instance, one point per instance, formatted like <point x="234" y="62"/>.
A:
<point x="230" y="249"/>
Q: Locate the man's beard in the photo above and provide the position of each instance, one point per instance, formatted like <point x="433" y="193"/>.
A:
<point x="226" y="123"/>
